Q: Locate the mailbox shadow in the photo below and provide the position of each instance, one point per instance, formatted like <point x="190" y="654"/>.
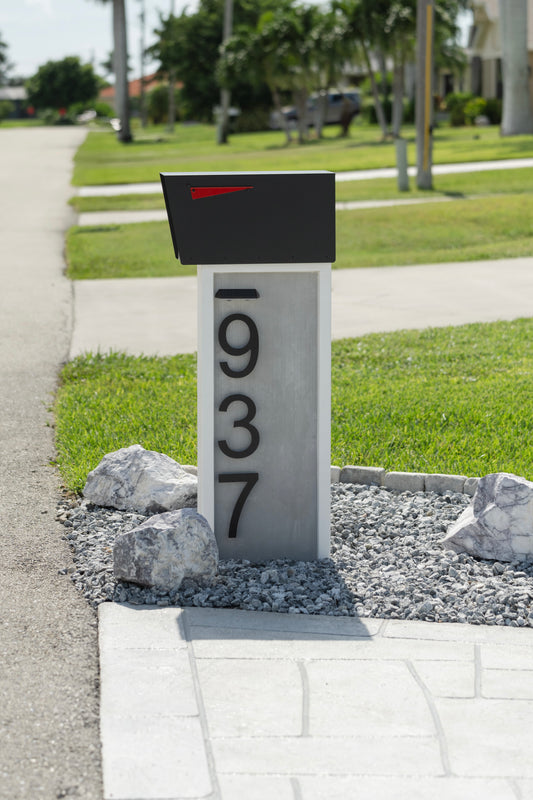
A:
<point x="232" y="624"/>
<point x="324" y="607"/>
<point x="97" y="229"/>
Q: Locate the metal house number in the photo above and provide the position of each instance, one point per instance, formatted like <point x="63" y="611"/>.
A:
<point x="249" y="352"/>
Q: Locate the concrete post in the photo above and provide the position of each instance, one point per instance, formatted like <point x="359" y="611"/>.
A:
<point x="401" y="164"/>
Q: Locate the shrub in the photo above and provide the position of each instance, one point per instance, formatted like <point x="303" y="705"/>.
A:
<point x="474" y="108"/>
<point x="409" y="111"/>
<point x="52" y="117"/>
<point x="493" y="110"/>
<point x="369" y="111"/>
<point x="102" y="109"/>
<point x="455" y="104"/>
<point x="6" y="108"/>
<point x="256" y="119"/>
<point x="157" y="104"/>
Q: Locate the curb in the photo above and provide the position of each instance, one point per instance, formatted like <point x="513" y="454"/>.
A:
<point x="404" y="481"/>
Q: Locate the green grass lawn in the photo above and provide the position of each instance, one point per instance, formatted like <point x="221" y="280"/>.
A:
<point x="454" y="400"/>
<point x="21" y="123"/>
<point x="104" y="160"/>
<point x="513" y="181"/>
<point x="451" y="400"/>
<point x="459" y="230"/>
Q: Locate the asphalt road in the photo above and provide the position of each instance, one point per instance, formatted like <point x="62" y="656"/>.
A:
<point x="49" y="737"/>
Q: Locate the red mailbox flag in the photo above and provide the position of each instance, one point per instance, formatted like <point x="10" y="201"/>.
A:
<point x="198" y="192"/>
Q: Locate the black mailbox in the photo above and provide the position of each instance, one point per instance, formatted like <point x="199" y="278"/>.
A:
<point x="251" y="217"/>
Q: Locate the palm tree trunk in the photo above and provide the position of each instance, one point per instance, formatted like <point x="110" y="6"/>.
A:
<point x="397" y="97"/>
<point x="380" y="114"/>
<point x="282" y="119"/>
<point x="300" y="101"/>
<point x="319" y="115"/>
<point x="517" y="115"/>
<point x="120" y="57"/>
<point x="171" y="99"/>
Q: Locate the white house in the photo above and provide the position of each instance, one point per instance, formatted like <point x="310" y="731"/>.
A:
<point x="484" y="48"/>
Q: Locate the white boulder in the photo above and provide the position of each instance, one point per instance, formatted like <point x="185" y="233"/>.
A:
<point x="136" y="479"/>
<point x="165" y="549"/>
<point x="498" y="524"/>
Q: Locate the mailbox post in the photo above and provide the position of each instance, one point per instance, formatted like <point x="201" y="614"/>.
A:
<point x="263" y="243"/>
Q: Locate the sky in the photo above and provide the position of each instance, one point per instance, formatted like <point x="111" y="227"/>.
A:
<point x="37" y="31"/>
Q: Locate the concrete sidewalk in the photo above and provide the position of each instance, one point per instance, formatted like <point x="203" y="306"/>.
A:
<point x="228" y="704"/>
<point x="157" y="316"/>
<point x="49" y="744"/>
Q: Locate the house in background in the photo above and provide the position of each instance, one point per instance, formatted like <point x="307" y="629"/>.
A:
<point x="17" y="96"/>
<point x="484" y="49"/>
<point x="107" y="95"/>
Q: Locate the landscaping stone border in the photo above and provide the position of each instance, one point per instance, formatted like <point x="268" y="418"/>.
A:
<point x="396" y="481"/>
<point x="404" y="481"/>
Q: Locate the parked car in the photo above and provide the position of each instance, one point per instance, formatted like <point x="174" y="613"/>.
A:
<point x="338" y="103"/>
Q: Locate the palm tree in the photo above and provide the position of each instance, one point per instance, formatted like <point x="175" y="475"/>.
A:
<point x="331" y="50"/>
<point x="364" y="19"/>
<point x="120" y="68"/>
<point x="517" y="115"/>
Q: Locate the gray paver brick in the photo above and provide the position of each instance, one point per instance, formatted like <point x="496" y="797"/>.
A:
<point x="470" y="486"/>
<point x="405" y="481"/>
<point x="366" y="702"/>
<point x="487" y="738"/>
<point x="366" y="475"/>
<point x="525" y="787"/>
<point x="445" y="483"/>
<point x="242" y="709"/>
<point x="147" y="683"/>
<point x="255" y="787"/>
<point x="510" y="656"/>
<point x="453" y="632"/>
<point x="377" y="788"/>
<point x="153" y="759"/>
<point x="124" y="627"/>
<point x="447" y="678"/>
<point x="510" y="683"/>
<point x="335" y="474"/>
<point x="361" y="755"/>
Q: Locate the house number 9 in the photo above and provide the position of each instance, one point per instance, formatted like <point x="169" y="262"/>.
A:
<point x="249" y="351"/>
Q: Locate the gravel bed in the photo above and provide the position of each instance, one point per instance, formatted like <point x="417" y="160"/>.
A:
<point x="387" y="561"/>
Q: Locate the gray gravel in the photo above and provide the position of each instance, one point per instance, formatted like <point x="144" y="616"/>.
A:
<point x="387" y="560"/>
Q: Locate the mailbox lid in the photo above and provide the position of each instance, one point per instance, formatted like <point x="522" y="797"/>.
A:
<point x="251" y="217"/>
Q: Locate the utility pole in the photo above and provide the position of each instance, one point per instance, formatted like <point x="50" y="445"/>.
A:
<point x="425" y="17"/>
<point x="223" y="125"/>
<point x="171" y="83"/>
<point x="142" y="98"/>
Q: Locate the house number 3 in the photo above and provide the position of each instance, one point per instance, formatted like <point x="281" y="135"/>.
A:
<point x="249" y="352"/>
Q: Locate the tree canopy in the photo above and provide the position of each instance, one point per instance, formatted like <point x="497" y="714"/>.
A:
<point x="294" y="49"/>
<point x="189" y="45"/>
<point x="5" y="65"/>
<point x="59" y="84"/>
